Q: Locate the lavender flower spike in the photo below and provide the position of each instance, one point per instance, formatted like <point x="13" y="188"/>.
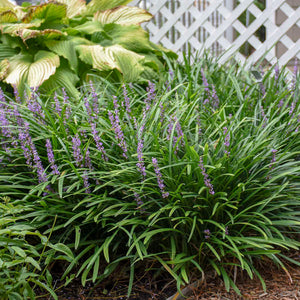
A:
<point x="140" y="164"/>
<point x="76" y="150"/>
<point x="226" y="140"/>
<point x="206" y="178"/>
<point x="160" y="180"/>
<point x="51" y="158"/>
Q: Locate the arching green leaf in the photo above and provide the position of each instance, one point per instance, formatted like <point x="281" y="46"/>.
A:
<point x="49" y="12"/>
<point x="74" y="7"/>
<point x="96" y="5"/>
<point x="33" y="71"/>
<point x="65" y="49"/>
<point x="123" y="15"/>
<point x="63" y="77"/>
<point x="6" y="51"/>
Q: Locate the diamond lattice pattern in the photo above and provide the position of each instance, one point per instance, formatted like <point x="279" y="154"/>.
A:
<point x="244" y="29"/>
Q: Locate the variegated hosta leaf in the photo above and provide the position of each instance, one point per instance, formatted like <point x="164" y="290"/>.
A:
<point x="8" y="17"/>
<point x="47" y="34"/>
<point x="131" y="37"/>
<point x="12" y="28"/>
<point x="4" y="65"/>
<point x="123" y="15"/>
<point x="112" y="57"/>
<point x="48" y="12"/>
<point x="96" y="5"/>
<point x="130" y="63"/>
<point x="33" y="71"/>
<point x="65" y="49"/>
<point x="6" y="3"/>
<point x="99" y="57"/>
<point x="74" y="7"/>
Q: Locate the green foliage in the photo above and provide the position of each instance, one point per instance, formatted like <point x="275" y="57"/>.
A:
<point x="58" y="43"/>
<point x="24" y="254"/>
<point x="223" y="193"/>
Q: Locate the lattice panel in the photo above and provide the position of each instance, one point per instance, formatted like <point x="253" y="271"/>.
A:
<point x="243" y="30"/>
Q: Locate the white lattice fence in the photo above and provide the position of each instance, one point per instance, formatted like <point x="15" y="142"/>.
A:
<point x="234" y="26"/>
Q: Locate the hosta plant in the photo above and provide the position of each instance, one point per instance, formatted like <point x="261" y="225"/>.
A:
<point x="60" y="43"/>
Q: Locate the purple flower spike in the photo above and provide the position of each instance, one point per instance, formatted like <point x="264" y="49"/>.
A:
<point x="76" y="151"/>
<point x="206" y="178"/>
<point x="150" y="94"/>
<point x="17" y="95"/>
<point x="226" y="139"/>
<point x="35" y="107"/>
<point x="51" y="158"/>
<point x="95" y="99"/>
<point x="39" y="167"/>
<point x="204" y="80"/>
<point x="140" y="164"/>
<point x="87" y="160"/>
<point x="178" y="132"/>
<point x="215" y="98"/>
<point x="88" y="108"/>
<point x="159" y="178"/>
<point x="98" y="142"/>
<point x="57" y="104"/>
<point x="115" y="123"/>
<point x="207" y="233"/>
<point x="86" y="183"/>
<point x="138" y="199"/>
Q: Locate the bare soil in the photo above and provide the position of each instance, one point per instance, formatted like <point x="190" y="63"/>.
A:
<point x="151" y="285"/>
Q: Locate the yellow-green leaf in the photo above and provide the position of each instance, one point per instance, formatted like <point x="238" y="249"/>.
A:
<point x="99" y="57"/>
<point x="123" y="15"/>
<point x="31" y="70"/>
<point x="13" y="28"/>
<point x="47" y="34"/>
<point x="113" y="57"/>
<point x="8" y="17"/>
<point x="74" y="7"/>
<point x="96" y="5"/>
<point x="4" y="65"/>
<point x="49" y="12"/>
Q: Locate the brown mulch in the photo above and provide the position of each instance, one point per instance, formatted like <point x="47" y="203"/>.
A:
<point x="152" y="285"/>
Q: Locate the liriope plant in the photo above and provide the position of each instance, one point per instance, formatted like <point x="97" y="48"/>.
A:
<point x="195" y="175"/>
